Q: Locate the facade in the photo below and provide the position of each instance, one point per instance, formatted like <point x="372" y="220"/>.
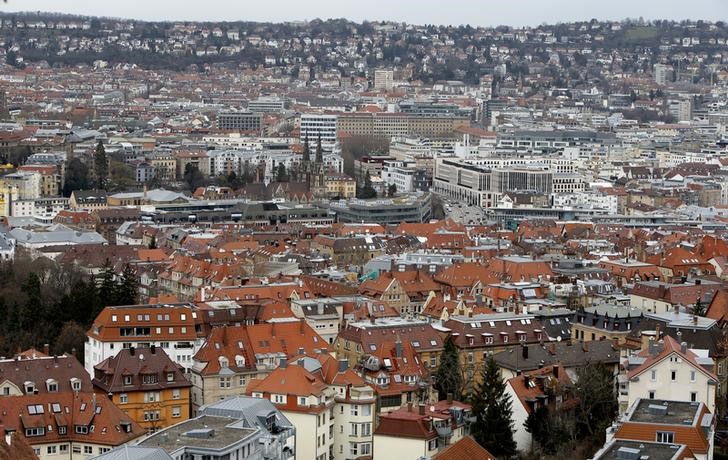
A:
<point x="239" y="121"/>
<point x="384" y="79"/>
<point x="668" y="370"/>
<point x="406" y="176"/>
<point x="232" y="356"/>
<point x="67" y="425"/>
<point x="324" y="126"/>
<point x="331" y="407"/>
<point x="414" y="433"/>
<point x="167" y="326"/>
<point x="146" y="385"/>
<point x="410" y="208"/>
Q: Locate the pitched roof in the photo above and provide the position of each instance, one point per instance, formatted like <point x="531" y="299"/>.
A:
<point x="465" y="448"/>
<point x="670" y="347"/>
<point x="40" y="369"/>
<point x="130" y="362"/>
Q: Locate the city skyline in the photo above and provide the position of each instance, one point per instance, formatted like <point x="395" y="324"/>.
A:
<point x="526" y="13"/>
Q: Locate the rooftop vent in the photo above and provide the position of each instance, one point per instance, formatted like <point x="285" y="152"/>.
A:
<point x="201" y="433"/>
<point x="628" y="453"/>
<point x="657" y="409"/>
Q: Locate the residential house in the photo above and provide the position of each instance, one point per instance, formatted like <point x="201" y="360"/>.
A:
<point x="667" y="369"/>
<point x="147" y="385"/>
<point x="232" y="356"/>
<point x="414" y="433"/>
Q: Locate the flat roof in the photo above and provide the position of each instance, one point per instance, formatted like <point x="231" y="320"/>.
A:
<point x="664" y="412"/>
<point x="206" y="431"/>
<point x="617" y="448"/>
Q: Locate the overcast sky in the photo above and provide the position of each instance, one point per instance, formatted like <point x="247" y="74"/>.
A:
<point x="475" y="12"/>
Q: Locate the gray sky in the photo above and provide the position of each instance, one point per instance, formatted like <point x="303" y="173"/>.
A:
<point x="475" y="12"/>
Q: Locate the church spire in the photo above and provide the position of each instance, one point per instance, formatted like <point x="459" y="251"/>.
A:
<point x="306" y="150"/>
<point x="319" y="150"/>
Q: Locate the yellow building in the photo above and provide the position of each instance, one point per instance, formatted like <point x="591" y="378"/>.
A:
<point x="340" y="185"/>
<point x="147" y="385"/>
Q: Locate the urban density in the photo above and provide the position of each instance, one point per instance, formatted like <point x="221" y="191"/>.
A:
<point x="338" y="240"/>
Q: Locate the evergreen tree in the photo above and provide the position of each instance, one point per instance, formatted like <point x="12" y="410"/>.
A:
<point x="107" y="286"/>
<point x="699" y="308"/>
<point x="493" y="412"/>
<point x="367" y="191"/>
<point x="391" y="190"/>
<point x="77" y="177"/>
<point x="102" y="166"/>
<point x="193" y="176"/>
<point x="281" y="175"/>
<point x="449" y="377"/>
<point x="153" y="242"/>
<point x="128" y="288"/>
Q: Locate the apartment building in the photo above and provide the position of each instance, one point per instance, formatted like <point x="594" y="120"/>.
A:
<point x="239" y="121"/>
<point x="232" y="356"/>
<point x="171" y="327"/>
<point x="147" y="385"/>
<point x="313" y="126"/>
<point x="331" y="407"/>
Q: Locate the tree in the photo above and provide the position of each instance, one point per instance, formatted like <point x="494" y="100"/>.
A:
<point x="70" y="339"/>
<point x="549" y="429"/>
<point x="449" y="378"/>
<point x="101" y="164"/>
<point x="127" y="288"/>
<point x="107" y="285"/>
<point x="281" y="175"/>
<point x="493" y="411"/>
<point x="367" y="191"/>
<point x="595" y="393"/>
<point x="77" y="177"/>
<point x="391" y="190"/>
<point x="153" y="242"/>
<point x="193" y="176"/>
<point x="699" y="308"/>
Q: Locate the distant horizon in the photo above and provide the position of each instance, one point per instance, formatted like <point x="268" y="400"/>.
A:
<point x="483" y="13"/>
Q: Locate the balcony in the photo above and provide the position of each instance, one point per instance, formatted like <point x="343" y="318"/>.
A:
<point x="444" y="431"/>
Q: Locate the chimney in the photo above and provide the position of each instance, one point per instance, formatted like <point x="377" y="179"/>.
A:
<point x="449" y="398"/>
<point x="153" y="349"/>
<point x="524" y="351"/>
<point x="343" y="365"/>
<point x="46" y="349"/>
<point x="131" y="351"/>
<point x="556" y="371"/>
<point x="684" y="347"/>
<point x="695" y="319"/>
<point x="422" y="409"/>
<point x="679" y="336"/>
<point x="653" y="347"/>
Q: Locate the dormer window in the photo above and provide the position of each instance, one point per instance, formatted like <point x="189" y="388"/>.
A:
<point x="29" y="388"/>
<point x="148" y="379"/>
<point x="52" y="386"/>
<point x="170" y="376"/>
<point x="223" y="362"/>
<point x="127" y="380"/>
<point x="239" y="361"/>
<point x="76" y="384"/>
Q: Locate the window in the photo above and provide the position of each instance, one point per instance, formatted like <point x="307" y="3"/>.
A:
<point x="76" y="384"/>
<point x="693" y="396"/>
<point x="241" y="380"/>
<point x="88" y="449"/>
<point x="123" y="398"/>
<point x="176" y="411"/>
<point x="151" y="396"/>
<point x="81" y="429"/>
<point x="673" y="376"/>
<point x="653" y="375"/>
<point x="29" y="432"/>
<point x="63" y="448"/>
<point x="355" y="410"/>
<point x="51" y="450"/>
<point x="61" y="430"/>
<point x="652" y="395"/>
<point x="665" y="437"/>
<point x="127" y="380"/>
<point x="278" y="399"/>
<point x="432" y="445"/>
<point x="151" y="415"/>
<point x="170" y="376"/>
<point x="692" y="376"/>
<point x="302" y="401"/>
<point x="175" y="393"/>
<point x="225" y="382"/>
<point x="149" y="379"/>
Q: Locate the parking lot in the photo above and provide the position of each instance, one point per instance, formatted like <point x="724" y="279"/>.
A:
<point x="469" y="215"/>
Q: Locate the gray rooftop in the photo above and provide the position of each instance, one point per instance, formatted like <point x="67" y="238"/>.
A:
<point x="664" y="412"/>
<point x="620" y="449"/>
<point x="127" y="452"/>
<point x="252" y="410"/>
<point x="206" y="431"/>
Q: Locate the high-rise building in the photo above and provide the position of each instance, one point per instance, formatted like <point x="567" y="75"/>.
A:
<point x="661" y="73"/>
<point x="680" y="109"/>
<point x="384" y="79"/>
<point x="239" y="121"/>
<point x="314" y="125"/>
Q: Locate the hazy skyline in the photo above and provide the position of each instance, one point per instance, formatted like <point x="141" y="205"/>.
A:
<point x="455" y="12"/>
